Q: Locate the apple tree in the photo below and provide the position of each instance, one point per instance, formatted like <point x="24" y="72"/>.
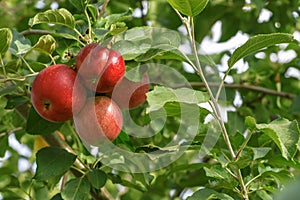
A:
<point x="178" y="99"/>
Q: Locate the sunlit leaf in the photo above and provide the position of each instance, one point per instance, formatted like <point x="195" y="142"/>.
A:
<point x="285" y="134"/>
<point x="160" y="95"/>
<point x="145" y="43"/>
<point x="19" y="45"/>
<point x="189" y="7"/>
<point x="61" y="17"/>
<point x="5" y="39"/>
<point x="45" y="44"/>
<point x="259" y="42"/>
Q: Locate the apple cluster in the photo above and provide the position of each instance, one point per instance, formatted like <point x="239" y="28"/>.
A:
<point x="57" y="97"/>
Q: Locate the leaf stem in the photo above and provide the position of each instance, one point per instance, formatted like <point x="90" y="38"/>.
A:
<point x="3" y="66"/>
<point x="28" y="66"/>
<point x="243" y="145"/>
<point x="253" y="179"/>
<point x="21" y="78"/>
<point x="89" y="26"/>
<point x="202" y="76"/>
<point x="221" y="85"/>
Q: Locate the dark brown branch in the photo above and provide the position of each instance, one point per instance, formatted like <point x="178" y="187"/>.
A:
<point x="248" y="87"/>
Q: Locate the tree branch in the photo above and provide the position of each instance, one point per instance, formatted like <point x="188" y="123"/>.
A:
<point x="103" y="8"/>
<point x="35" y="32"/>
<point x="246" y="87"/>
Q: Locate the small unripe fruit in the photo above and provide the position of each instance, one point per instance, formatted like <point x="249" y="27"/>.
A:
<point x="128" y="94"/>
<point x="99" y="67"/>
<point x="99" y="118"/>
<point x="54" y="94"/>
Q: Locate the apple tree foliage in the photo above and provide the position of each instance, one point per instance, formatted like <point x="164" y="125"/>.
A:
<point x="256" y="155"/>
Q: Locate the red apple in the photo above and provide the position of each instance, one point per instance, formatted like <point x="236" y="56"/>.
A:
<point x="99" y="67"/>
<point x="99" y="118"/>
<point x="128" y="94"/>
<point x="54" y="94"/>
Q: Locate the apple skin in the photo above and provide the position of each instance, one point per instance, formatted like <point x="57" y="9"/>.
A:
<point x="100" y="117"/>
<point x="128" y="94"/>
<point x="54" y="94"/>
<point x="100" y="68"/>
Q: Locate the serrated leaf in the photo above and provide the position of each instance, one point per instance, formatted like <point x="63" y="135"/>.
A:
<point x="160" y="95"/>
<point x="97" y="178"/>
<point x="52" y="162"/>
<point x="259" y="42"/>
<point x="36" y="125"/>
<point x="45" y="44"/>
<point x="76" y="189"/>
<point x="189" y="7"/>
<point x="285" y="134"/>
<point x="61" y="17"/>
<point x="204" y="194"/>
<point x="5" y="39"/>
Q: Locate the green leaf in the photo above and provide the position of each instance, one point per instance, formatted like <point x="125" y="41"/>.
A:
<point x="5" y="39"/>
<point x="260" y="152"/>
<point x="189" y="7"/>
<point x="8" y="89"/>
<point x="15" y="101"/>
<point x="52" y="162"/>
<point x="217" y="172"/>
<point x="59" y="17"/>
<point x="145" y="43"/>
<point x="285" y="134"/>
<point x="76" y="189"/>
<point x="250" y="123"/>
<point x="97" y="178"/>
<point x="36" y="125"/>
<point x="259" y="42"/>
<point x="20" y="45"/>
<point x="115" y="18"/>
<point x="204" y="194"/>
<point x="78" y="4"/>
<point x="57" y="197"/>
<point x="45" y="44"/>
<point x="160" y="95"/>
<point x="3" y="145"/>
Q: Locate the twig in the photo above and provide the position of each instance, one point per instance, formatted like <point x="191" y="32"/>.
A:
<point x="247" y="87"/>
<point x="103" y="8"/>
<point x="243" y="145"/>
<point x="35" y="32"/>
